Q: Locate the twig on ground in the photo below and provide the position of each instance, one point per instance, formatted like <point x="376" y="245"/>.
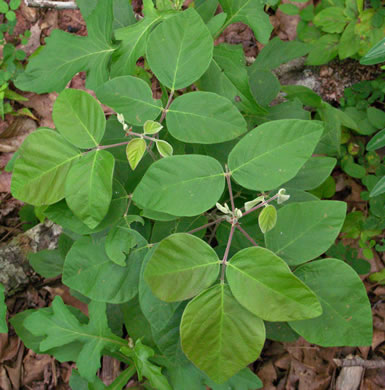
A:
<point x="51" y="4"/>
<point x="357" y="361"/>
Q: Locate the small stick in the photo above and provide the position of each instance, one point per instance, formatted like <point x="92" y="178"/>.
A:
<point x="357" y="361"/>
<point x="51" y="4"/>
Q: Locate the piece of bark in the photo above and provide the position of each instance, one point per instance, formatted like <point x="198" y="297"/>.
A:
<point x="15" y="271"/>
<point x="350" y="375"/>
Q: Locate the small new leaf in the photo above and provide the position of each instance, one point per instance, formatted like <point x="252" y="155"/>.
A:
<point x="267" y="218"/>
<point x="135" y="151"/>
<point x="164" y="148"/>
<point x="152" y="127"/>
<point x="224" y="209"/>
<point x="282" y="197"/>
<point x="249" y="205"/>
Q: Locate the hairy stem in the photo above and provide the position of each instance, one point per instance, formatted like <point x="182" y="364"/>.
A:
<point x="126" y="142"/>
<point x="244" y="232"/>
<point x="260" y="205"/>
<point x="228" y="180"/>
<point x="226" y="255"/>
<point x="206" y="225"/>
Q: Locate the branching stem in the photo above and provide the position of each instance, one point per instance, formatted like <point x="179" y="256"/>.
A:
<point x="267" y="201"/>
<point x="226" y="255"/>
<point x="244" y="232"/>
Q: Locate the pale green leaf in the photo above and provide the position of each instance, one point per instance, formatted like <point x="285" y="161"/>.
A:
<point x="204" y="118"/>
<point x="273" y="153"/>
<point x="375" y="55"/>
<point x="135" y="150"/>
<point x="164" y="148"/>
<point x="88" y="187"/>
<point x="88" y="270"/>
<point x="152" y="127"/>
<point x="264" y="285"/>
<point x="79" y="118"/>
<point x="250" y="12"/>
<point x="40" y="173"/>
<point x="181" y="185"/>
<point x="180" y="61"/>
<point x="347" y="317"/>
<point x="306" y="230"/>
<point x="181" y="267"/>
<point x="66" y="54"/>
<point x="61" y="327"/>
<point x="267" y="218"/>
<point x="377" y="141"/>
<point x="218" y="335"/>
<point x="131" y="97"/>
<point x="331" y="20"/>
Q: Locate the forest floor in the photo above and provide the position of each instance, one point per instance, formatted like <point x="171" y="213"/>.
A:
<point x="282" y="366"/>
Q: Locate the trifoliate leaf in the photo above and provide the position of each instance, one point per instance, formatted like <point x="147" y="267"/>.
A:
<point x="267" y="218"/>
<point x="135" y="151"/>
<point x="61" y="328"/>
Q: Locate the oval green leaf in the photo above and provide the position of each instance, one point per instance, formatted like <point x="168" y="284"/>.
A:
<point x="180" y="49"/>
<point x="273" y="153"/>
<point x="264" y="285"/>
<point x="88" y="187"/>
<point x="181" y="185"/>
<point x="135" y="150"/>
<point x="267" y="218"/>
<point x="204" y="118"/>
<point x="89" y="270"/>
<point x="346" y="320"/>
<point x="131" y="97"/>
<point x="306" y="230"/>
<point x="218" y="335"/>
<point x="79" y="118"/>
<point x="181" y="267"/>
<point x="39" y="174"/>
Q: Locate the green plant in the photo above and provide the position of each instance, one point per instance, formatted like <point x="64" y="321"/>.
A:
<point x="152" y="241"/>
<point x="343" y="28"/>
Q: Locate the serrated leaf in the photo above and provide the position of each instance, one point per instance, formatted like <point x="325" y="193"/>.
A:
<point x="152" y="127"/>
<point x="227" y="76"/>
<point x="134" y="42"/>
<point x="131" y="97"/>
<point x="135" y="151"/>
<point x="181" y="267"/>
<point x="264" y="285"/>
<point x="250" y="12"/>
<point x="141" y="354"/>
<point x="39" y="174"/>
<point x="346" y="321"/>
<point x="88" y="187"/>
<point x="306" y="230"/>
<point x="180" y="61"/>
<point x="213" y="326"/>
<point x="164" y="148"/>
<point x="88" y="270"/>
<point x="273" y="153"/>
<point x="79" y="118"/>
<point x="120" y="240"/>
<point x="267" y="218"/>
<point x="91" y="54"/>
<point x="3" y="311"/>
<point x="62" y="327"/>
<point x="181" y="185"/>
<point x="204" y="118"/>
